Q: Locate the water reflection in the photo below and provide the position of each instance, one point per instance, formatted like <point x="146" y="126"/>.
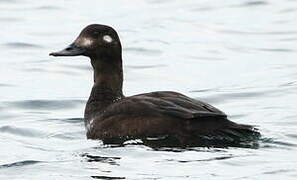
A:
<point x="254" y="3"/>
<point x="45" y="104"/>
<point x="20" y="163"/>
<point x="21" y="45"/>
<point x="107" y="177"/>
<point x="101" y="159"/>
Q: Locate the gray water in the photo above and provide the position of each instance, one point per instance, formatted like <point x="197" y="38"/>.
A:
<point x="238" y="55"/>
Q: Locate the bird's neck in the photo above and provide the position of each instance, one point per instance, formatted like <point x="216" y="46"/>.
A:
<point x="107" y="88"/>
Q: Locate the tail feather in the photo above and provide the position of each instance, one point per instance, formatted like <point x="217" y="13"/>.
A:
<point x="240" y="134"/>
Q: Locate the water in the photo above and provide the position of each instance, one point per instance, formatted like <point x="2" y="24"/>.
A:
<point x="237" y="55"/>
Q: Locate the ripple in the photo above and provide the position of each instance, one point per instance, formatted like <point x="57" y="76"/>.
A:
<point x="221" y="97"/>
<point x="288" y="39"/>
<point x="6" y="85"/>
<point x="279" y="171"/>
<point x="46" y="104"/>
<point x="78" y="67"/>
<point x="205" y="90"/>
<point x="187" y="149"/>
<point x="145" y="51"/>
<point x="43" y="69"/>
<point x="205" y="160"/>
<point x="289" y="84"/>
<point x="70" y="120"/>
<point x="288" y="10"/>
<point x="107" y="177"/>
<point x="47" y="8"/>
<point x="9" y="19"/>
<point x="235" y="32"/>
<point x="236" y="116"/>
<point x="67" y="136"/>
<point x="8" y="1"/>
<point x="273" y="143"/>
<point x="203" y="9"/>
<point x="254" y="3"/>
<point x="292" y="135"/>
<point x="27" y="132"/>
<point x="158" y="41"/>
<point x="20" y="163"/>
<point x="284" y="143"/>
<point x="96" y="158"/>
<point x="275" y="49"/>
<point x="206" y="58"/>
<point x="35" y="69"/>
<point x="22" y="45"/>
<point x="146" y="67"/>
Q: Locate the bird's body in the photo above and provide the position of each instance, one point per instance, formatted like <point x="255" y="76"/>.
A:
<point x="167" y="117"/>
<point x="162" y="115"/>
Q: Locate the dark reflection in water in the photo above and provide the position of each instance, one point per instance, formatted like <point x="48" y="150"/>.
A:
<point x="254" y="3"/>
<point x="107" y="177"/>
<point x="195" y="149"/>
<point x="69" y="120"/>
<point x="22" y="45"/>
<point x="95" y="158"/>
<point x="203" y="160"/>
<point x="20" y="163"/>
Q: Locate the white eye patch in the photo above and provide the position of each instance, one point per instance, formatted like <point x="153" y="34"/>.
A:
<point x="107" y="38"/>
<point x="85" y="42"/>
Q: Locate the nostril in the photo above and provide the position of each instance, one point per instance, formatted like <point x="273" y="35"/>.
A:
<point x="69" y="49"/>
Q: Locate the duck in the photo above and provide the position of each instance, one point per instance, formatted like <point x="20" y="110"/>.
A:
<point x="161" y="118"/>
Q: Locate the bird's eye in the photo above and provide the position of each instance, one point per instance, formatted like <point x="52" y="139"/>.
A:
<point x="107" y="38"/>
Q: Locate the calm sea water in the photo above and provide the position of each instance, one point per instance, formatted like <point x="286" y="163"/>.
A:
<point x="239" y="55"/>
